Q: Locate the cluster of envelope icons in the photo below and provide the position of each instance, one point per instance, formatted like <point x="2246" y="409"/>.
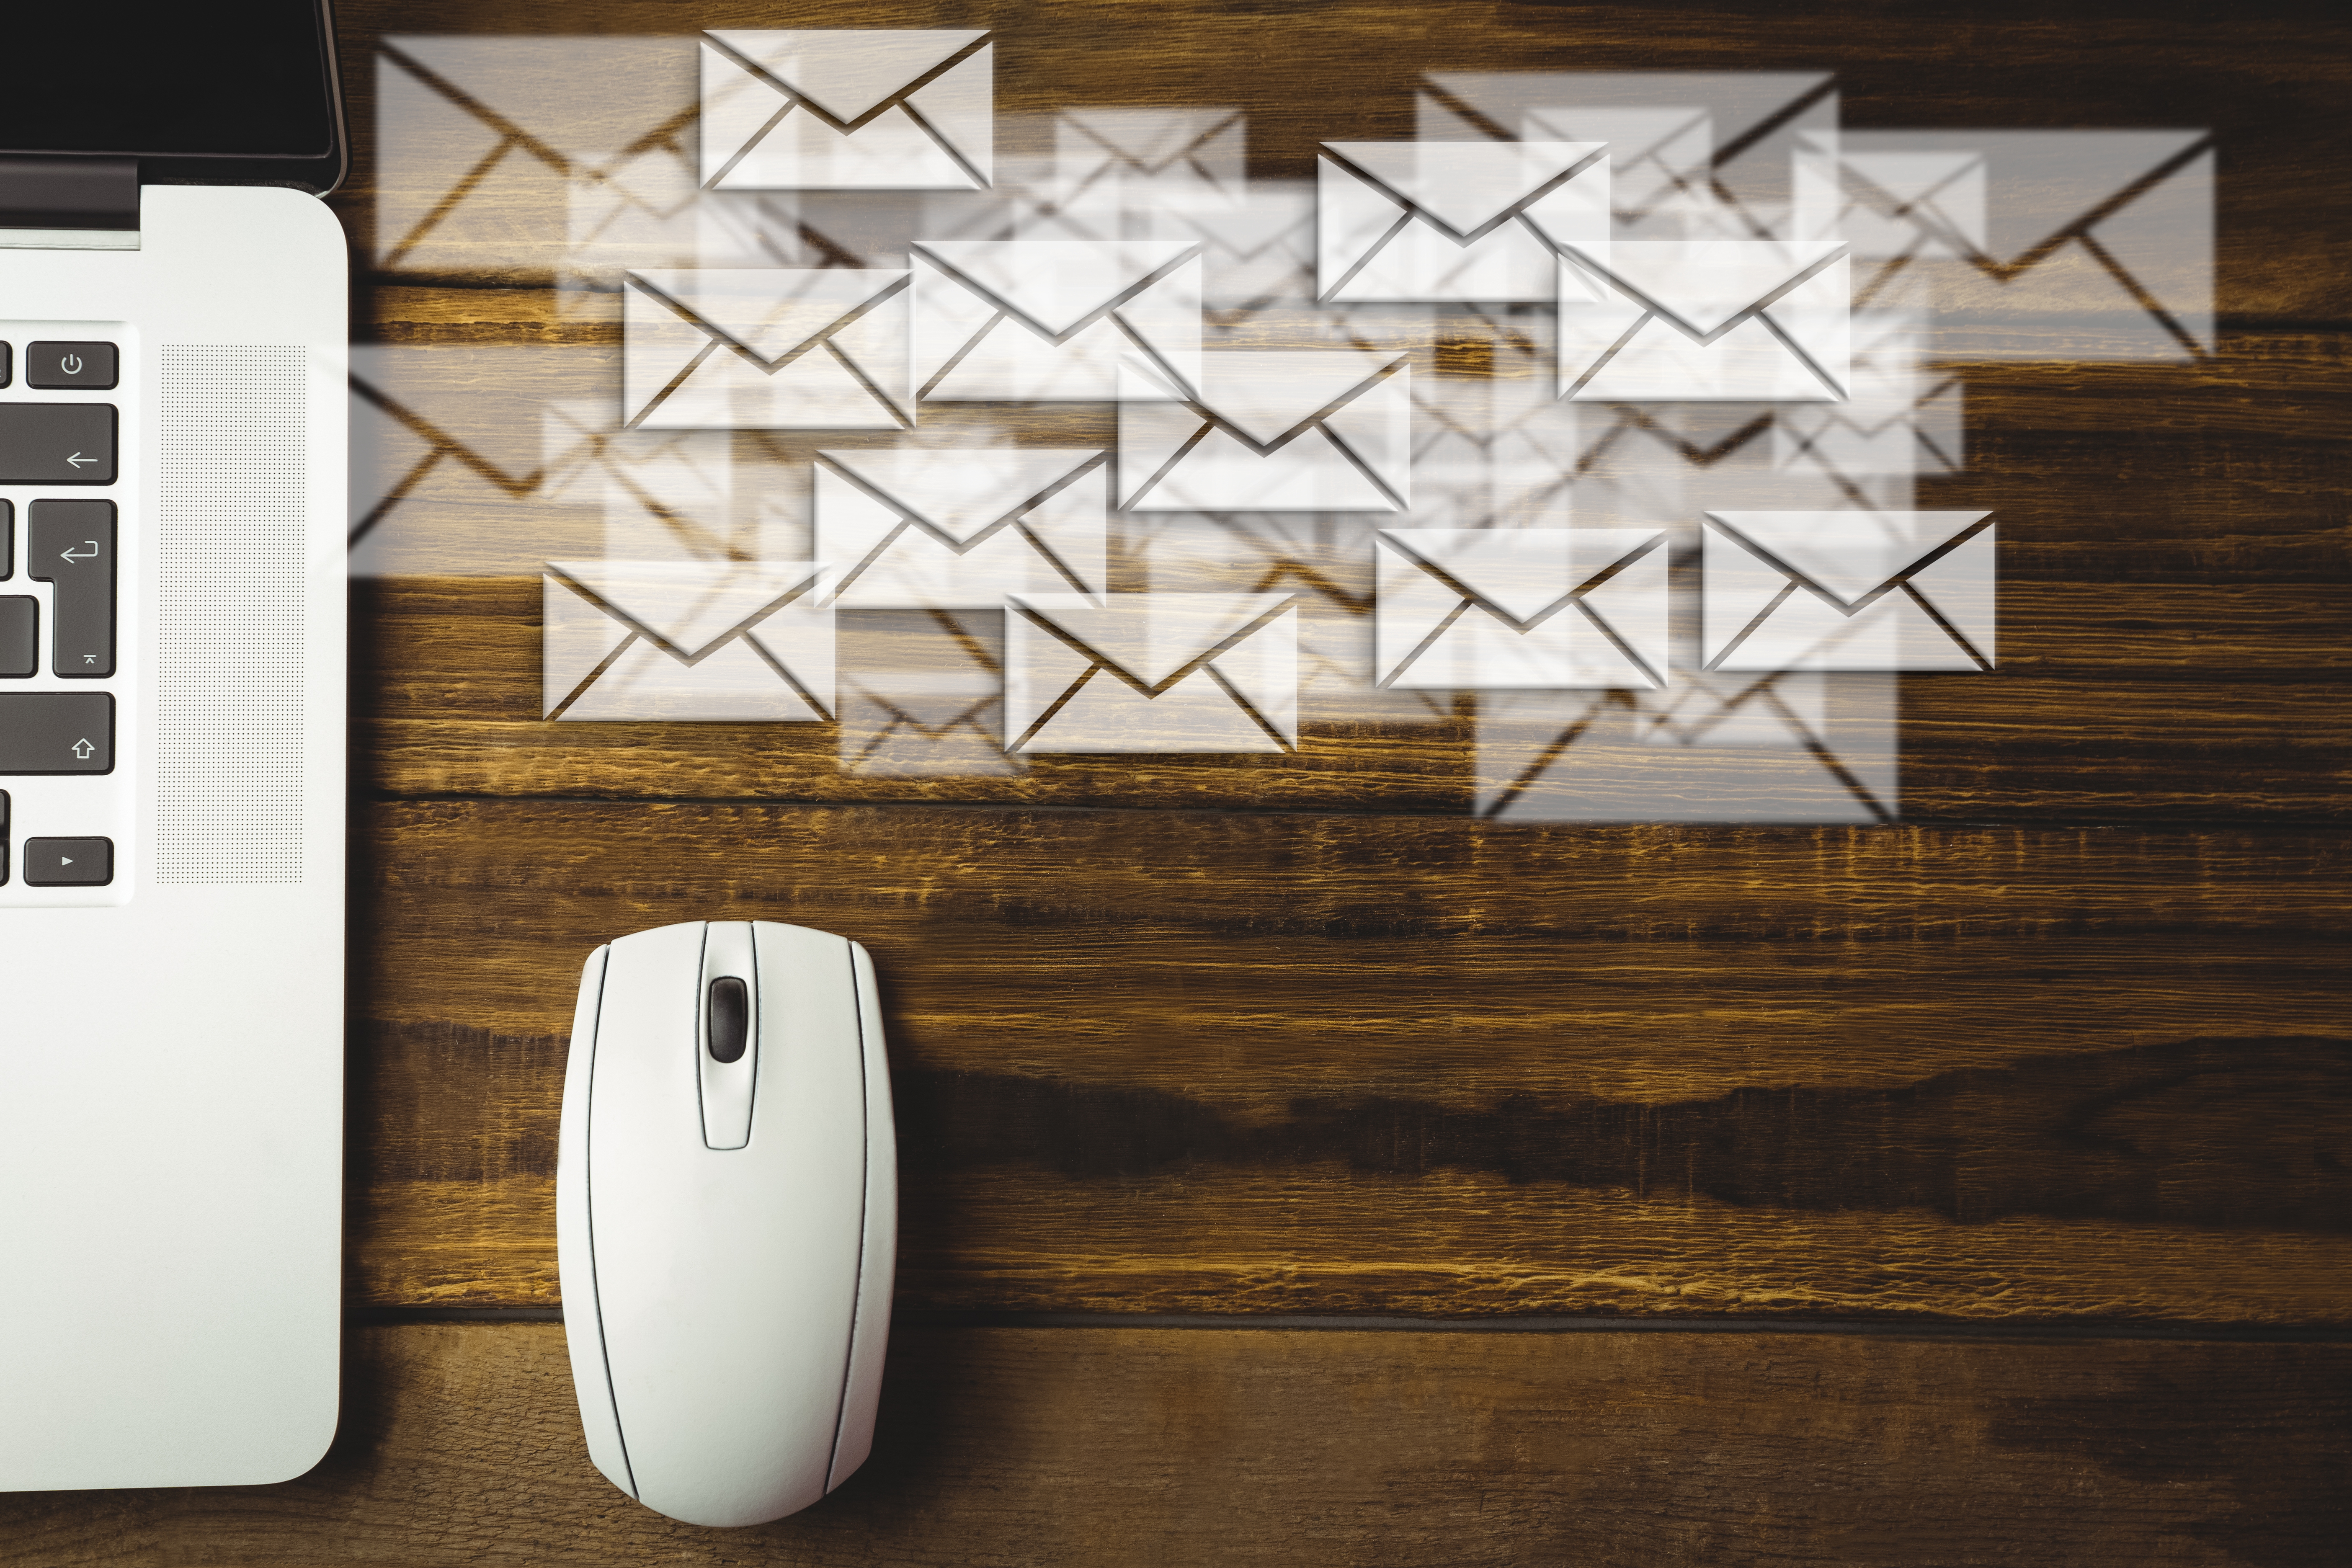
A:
<point x="1024" y="532"/>
<point x="1037" y="320"/>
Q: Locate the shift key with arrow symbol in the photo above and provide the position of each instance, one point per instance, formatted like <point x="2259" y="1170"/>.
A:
<point x="56" y="732"/>
<point x="70" y="543"/>
<point x="57" y="442"/>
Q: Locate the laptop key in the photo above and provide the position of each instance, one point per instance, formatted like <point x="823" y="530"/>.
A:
<point x="80" y="367"/>
<point x="20" y="636"/>
<point x="69" y="862"/>
<point x="56" y="732"/>
<point x="7" y="535"/>
<point x="71" y="544"/>
<point x="57" y="442"/>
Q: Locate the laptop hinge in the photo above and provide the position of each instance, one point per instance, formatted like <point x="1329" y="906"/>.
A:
<point x="79" y="195"/>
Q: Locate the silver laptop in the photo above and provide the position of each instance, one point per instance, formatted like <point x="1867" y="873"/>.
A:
<point x="173" y="332"/>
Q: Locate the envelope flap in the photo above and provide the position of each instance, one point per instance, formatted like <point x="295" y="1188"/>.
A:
<point x="1522" y="572"/>
<point x="1267" y="394"/>
<point x="1849" y="555"/>
<point x="961" y="492"/>
<point x="1908" y="178"/>
<point x="770" y="311"/>
<point x="1151" y="636"/>
<point x="846" y="72"/>
<point x="687" y="605"/>
<point x="1465" y="185"/>
<point x="1055" y="283"/>
<point x="1683" y="138"/>
<point x="1150" y="138"/>
<point x="1703" y="284"/>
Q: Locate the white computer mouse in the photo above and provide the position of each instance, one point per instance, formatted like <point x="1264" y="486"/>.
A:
<point x="727" y="1215"/>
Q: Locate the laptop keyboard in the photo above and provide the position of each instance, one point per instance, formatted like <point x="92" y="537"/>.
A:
<point x="64" y="801"/>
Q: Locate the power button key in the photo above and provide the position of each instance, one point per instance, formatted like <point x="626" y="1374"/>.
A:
<point x="71" y="367"/>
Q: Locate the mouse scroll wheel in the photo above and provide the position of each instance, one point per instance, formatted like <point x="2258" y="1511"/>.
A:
<point x="729" y="1025"/>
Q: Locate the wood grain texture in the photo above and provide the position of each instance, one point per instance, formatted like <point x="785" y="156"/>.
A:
<point x="2116" y="701"/>
<point x="1108" y="1447"/>
<point x="1219" y="1062"/>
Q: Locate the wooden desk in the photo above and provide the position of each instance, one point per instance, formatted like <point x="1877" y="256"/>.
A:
<point x="1967" y="1190"/>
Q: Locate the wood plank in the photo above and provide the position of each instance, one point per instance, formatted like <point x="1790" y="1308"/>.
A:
<point x="1039" y="1447"/>
<point x="2118" y="701"/>
<point x="1160" y="1061"/>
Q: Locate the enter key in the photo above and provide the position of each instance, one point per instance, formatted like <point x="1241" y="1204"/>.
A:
<point x="70" y="543"/>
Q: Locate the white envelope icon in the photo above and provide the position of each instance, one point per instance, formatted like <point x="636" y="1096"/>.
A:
<point x="1283" y="430"/>
<point x="1451" y="220"/>
<point x="1151" y="672"/>
<point x="1502" y="608"/>
<point x="1849" y="590"/>
<point x="1703" y="321"/>
<point x="687" y="640"/>
<point x="960" y="528"/>
<point x="766" y="349"/>
<point x="881" y="109"/>
<point x="1022" y="320"/>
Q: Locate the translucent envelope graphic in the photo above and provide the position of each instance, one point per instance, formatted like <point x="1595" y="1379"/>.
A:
<point x="960" y="529"/>
<point x="1503" y="607"/>
<point x="1304" y="430"/>
<point x="879" y="109"/>
<point x="1849" y="590"/>
<point x="2045" y="244"/>
<point x="1135" y="160"/>
<point x="1802" y="747"/>
<point x="483" y="145"/>
<point x="458" y="468"/>
<point x="1018" y="320"/>
<point x="1454" y="220"/>
<point x="1259" y="251"/>
<point x="1899" y="417"/>
<point x="1692" y="153"/>
<point x="922" y="694"/>
<point x="687" y="639"/>
<point x="1704" y="320"/>
<point x="766" y="349"/>
<point x="1494" y="451"/>
<point x="1151" y="672"/>
<point x="664" y="494"/>
<point x="1326" y="559"/>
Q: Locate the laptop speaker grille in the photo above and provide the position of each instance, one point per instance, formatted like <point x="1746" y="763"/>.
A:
<point x="230" y="647"/>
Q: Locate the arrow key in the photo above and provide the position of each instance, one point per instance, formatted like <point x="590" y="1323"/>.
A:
<point x="69" y="862"/>
<point x="57" y="442"/>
